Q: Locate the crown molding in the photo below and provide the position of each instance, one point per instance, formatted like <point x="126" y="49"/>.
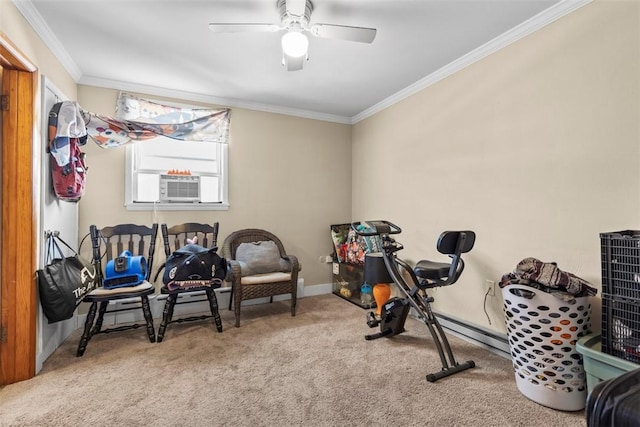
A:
<point x="530" y="26"/>
<point x="26" y="8"/>
<point x="518" y="32"/>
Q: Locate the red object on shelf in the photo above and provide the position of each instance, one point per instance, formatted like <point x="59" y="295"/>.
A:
<point x="178" y="172"/>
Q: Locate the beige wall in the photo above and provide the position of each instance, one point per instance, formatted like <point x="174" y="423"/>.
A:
<point x="535" y="148"/>
<point x="289" y="175"/>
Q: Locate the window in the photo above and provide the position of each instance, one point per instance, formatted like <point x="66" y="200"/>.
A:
<point x="168" y="174"/>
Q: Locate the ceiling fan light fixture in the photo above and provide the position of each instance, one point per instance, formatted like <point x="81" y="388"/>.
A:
<point x="295" y="44"/>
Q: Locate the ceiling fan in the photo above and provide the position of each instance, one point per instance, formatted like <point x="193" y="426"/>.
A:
<point x="294" y="19"/>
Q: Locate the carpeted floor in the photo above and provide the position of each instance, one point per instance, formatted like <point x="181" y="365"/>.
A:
<point x="314" y="369"/>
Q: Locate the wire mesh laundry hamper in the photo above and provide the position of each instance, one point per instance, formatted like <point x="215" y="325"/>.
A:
<point x="542" y="331"/>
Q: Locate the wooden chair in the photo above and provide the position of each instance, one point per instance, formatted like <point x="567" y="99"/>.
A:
<point x="173" y="238"/>
<point x="259" y="267"/>
<point x="108" y="243"/>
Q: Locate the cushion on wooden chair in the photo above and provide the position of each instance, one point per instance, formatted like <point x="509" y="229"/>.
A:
<point x="123" y="291"/>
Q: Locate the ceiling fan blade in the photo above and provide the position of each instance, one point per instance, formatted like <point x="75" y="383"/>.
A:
<point x="243" y="28"/>
<point x="293" y="63"/>
<point x="344" y="32"/>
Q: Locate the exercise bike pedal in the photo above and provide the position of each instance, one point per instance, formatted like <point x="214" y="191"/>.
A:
<point x="372" y="321"/>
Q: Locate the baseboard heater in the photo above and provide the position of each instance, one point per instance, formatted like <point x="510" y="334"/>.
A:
<point x="497" y="343"/>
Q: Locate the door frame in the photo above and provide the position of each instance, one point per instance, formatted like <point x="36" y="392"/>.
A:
<point x="18" y="303"/>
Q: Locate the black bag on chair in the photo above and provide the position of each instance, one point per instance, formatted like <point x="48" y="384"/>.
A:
<point x="63" y="281"/>
<point x="196" y="264"/>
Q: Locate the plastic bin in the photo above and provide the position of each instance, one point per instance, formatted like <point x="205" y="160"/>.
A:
<point x="598" y="365"/>
<point x="542" y="331"/>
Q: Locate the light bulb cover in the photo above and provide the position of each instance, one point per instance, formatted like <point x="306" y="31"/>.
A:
<point x="295" y="44"/>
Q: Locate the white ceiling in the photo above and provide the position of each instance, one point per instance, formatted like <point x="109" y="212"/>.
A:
<point x="165" y="47"/>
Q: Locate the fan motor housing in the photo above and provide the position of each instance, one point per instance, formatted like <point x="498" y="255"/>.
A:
<point x="288" y="19"/>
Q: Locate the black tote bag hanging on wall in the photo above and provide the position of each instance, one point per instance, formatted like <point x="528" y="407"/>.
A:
<point x="63" y="281"/>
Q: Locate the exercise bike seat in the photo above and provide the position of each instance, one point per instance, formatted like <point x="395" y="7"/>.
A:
<point x="433" y="274"/>
<point x="431" y="270"/>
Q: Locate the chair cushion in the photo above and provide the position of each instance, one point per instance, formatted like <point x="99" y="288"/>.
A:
<point x="260" y="257"/>
<point x="121" y="291"/>
<point x="265" y="278"/>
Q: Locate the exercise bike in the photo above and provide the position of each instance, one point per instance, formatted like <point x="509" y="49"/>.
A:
<point x="425" y="275"/>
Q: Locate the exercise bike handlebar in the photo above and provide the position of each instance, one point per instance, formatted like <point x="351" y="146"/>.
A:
<point x="376" y="228"/>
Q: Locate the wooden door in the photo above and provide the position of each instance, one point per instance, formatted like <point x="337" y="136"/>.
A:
<point x="18" y="241"/>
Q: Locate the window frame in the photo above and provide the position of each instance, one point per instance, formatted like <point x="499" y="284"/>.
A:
<point x="132" y="205"/>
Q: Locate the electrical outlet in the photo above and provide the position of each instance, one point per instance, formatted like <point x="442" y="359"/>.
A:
<point x="490" y="287"/>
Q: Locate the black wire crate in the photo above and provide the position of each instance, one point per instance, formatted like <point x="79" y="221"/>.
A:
<point x="621" y="327"/>
<point x="620" y="254"/>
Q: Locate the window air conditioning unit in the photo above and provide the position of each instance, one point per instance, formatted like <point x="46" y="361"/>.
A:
<point x="179" y="188"/>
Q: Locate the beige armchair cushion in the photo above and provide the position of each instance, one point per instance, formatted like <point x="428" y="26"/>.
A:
<point x="258" y="279"/>
<point x="260" y="257"/>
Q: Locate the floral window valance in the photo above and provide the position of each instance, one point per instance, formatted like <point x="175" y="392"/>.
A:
<point x="138" y="119"/>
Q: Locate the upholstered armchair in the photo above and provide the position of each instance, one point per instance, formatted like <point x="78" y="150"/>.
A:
<point x="259" y="267"/>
